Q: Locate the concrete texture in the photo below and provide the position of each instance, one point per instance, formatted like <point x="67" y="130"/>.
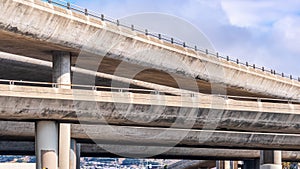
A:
<point x="34" y="28"/>
<point x="147" y="136"/>
<point x="122" y="108"/>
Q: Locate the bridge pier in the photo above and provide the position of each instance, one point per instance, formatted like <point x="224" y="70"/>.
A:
<point x="78" y="155"/>
<point x="53" y="139"/>
<point x="46" y="136"/>
<point x="270" y="159"/>
<point x="62" y="76"/>
<point x="227" y="164"/>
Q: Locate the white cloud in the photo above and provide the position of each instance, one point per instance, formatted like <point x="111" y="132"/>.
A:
<point x="258" y="13"/>
<point x="286" y="31"/>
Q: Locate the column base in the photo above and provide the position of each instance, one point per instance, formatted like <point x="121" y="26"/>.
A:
<point x="271" y="166"/>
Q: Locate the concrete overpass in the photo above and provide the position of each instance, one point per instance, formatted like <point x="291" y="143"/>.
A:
<point x="23" y="31"/>
<point x="126" y="108"/>
<point x="149" y="136"/>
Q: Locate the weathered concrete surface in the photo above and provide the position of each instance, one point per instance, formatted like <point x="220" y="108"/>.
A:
<point x="93" y="150"/>
<point x="209" y="112"/>
<point x="34" y="28"/>
<point x="147" y="136"/>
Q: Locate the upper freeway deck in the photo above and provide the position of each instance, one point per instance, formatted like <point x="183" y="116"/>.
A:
<point x="34" y="28"/>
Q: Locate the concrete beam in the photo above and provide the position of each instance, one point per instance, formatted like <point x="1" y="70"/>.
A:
<point x="32" y="27"/>
<point x="101" y="150"/>
<point x="185" y="138"/>
<point x="147" y="136"/>
<point x="122" y="108"/>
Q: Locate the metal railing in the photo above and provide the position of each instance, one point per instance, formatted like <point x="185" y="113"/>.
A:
<point x="133" y="90"/>
<point x="85" y="11"/>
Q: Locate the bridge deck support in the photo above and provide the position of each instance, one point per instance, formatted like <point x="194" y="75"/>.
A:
<point x="78" y="150"/>
<point x="46" y="145"/>
<point x="270" y="159"/>
<point x="62" y="76"/>
<point x="227" y="164"/>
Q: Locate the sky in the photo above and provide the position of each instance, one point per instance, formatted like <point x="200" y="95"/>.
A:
<point x="264" y="32"/>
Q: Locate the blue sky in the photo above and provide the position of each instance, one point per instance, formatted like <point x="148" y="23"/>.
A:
<point x="264" y="32"/>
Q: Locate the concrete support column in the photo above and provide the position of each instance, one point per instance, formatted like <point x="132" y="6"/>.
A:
<point x="46" y="140"/>
<point x="270" y="159"/>
<point x="73" y="153"/>
<point x="62" y="76"/>
<point x="223" y="164"/>
<point x="251" y="164"/>
<point x="78" y="150"/>
<point x="61" y="69"/>
<point x="233" y="164"/>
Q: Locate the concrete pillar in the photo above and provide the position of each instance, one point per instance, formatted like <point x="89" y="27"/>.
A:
<point x="270" y="159"/>
<point x="61" y="69"/>
<point x="78" y="147"/>
<point x="233" y="164"/>
<point x="62" y="76"/>
<point x="46" y="141"/>
<point x="251" y="164"/>
<point x="223" y="165"/>
<point x="73" y="154"/>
